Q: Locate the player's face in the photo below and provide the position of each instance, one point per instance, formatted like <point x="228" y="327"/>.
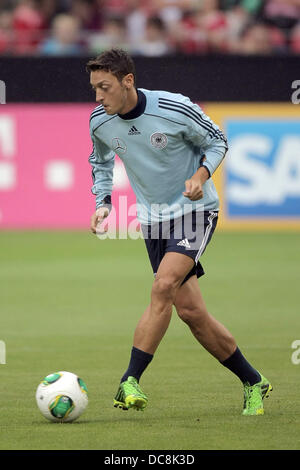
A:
<point x="115" y="96"/>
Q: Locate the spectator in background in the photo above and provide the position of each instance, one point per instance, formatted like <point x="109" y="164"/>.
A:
<point x="256" y="40"/>
<point x="136" y="19"/>
<point x="89" y="13"/>
<point x="156" y="42"/>
<point x="6" y="21"/>
<point x="189" y="38"/>
<point x="251" y="6"/>
<point x="254" y="7"/>
<point x="113" y="34"/>
<point x="171" y="11"/>
<point x="214" y="23"/>
<point x="295" y="39"/>
<point x="284" y="14"/>
<point x="113" y="8"/>
<point x="204" y="30"/>
<point x="28" y="26"/>
<point x="237" y="18"/>
<point x="49" y="9"/>
<point x="65" y="38"/>
<point x="184" y="26"/>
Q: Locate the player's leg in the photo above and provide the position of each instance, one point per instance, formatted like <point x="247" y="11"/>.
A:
<point x="210" y="333"/>
<point x="151" y="328"/>
<point x="217" y="340"/>
<point x="155" y="320"/>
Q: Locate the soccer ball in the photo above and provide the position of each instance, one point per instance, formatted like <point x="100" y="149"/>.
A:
<point x="62" y="397"/>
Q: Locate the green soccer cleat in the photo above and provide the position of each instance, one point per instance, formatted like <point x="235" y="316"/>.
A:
<point x="130" y="395"/>
<point x="254" y="395"/>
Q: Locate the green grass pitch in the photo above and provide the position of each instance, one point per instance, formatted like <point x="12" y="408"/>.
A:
<point x="70" y="301"/>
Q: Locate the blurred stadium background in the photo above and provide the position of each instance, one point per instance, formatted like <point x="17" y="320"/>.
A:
<point x="239" y="59"/>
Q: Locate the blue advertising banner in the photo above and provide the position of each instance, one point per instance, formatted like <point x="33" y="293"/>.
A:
<point x="262" y="171"/>
<point x="259" y="180"/>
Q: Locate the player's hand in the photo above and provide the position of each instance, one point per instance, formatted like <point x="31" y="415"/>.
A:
<point x="193" y="189"/>
<point x="97" y="219"/>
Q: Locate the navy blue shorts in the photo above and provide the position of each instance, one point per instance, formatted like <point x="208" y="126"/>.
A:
<point x="189" y="235"/>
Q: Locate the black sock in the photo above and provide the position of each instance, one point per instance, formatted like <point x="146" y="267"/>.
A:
<point x="241" y="367"/>
<point x="139" y="360"/>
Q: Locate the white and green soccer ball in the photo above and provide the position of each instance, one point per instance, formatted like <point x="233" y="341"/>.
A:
<point x="62" y="397"/>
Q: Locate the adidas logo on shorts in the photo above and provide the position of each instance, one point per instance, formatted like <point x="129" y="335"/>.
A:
<point x="133" y="131"/>
<point x="184" y="243"/>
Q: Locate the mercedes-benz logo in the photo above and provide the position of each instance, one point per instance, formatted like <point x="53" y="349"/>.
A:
<point x="118" y="145"/>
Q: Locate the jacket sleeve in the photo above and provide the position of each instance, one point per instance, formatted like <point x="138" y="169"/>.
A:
<point x="205" y="134"/>
<point x="102" y="160"/>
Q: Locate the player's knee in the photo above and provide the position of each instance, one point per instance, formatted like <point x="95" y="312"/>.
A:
<point x="164" y="288"/>
<point x="192" y="315"/>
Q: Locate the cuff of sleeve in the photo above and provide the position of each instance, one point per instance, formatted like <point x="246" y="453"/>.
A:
<point x="208" y="170"/>
<point x="213" y="160"/>
<point x="105" y="202"/>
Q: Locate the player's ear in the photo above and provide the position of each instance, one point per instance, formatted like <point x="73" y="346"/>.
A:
<point x="128" y="81"/>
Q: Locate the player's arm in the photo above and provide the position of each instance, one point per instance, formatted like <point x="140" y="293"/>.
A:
<point x="206" y="135"/>
<point x="194" y="185"/>
<point x="102" y="163"/>
<point x="99" y="215"/>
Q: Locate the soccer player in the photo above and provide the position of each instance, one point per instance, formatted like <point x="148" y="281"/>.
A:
<point x="170" y="150"/>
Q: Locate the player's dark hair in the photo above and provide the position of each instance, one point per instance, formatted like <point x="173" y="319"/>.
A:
<point x="116" y="61"/>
